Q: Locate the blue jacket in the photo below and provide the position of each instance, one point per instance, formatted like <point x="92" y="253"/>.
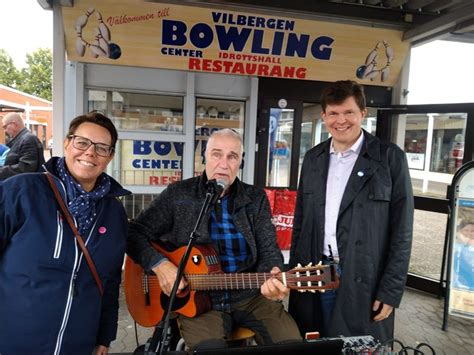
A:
<point x="49" y="301"/>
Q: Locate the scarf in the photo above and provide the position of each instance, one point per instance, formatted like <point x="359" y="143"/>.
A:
<point x="82" y="204"/>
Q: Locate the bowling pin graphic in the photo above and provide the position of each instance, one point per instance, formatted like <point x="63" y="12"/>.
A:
<point x="372" y="74"/>
<point x="82" y="20"/>
<point x="388" y="52"/>
<point x="369" y="69"/>
<point x="371" y="57"/>
<point x="104" y="30"/>
<point x="80" y="47"/>
<point x="96" y="50"/>
<point x="102" y="42"/>
<point x="385" y="73"/>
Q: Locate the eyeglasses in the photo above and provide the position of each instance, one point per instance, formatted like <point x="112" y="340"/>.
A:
<point x="83" y="143"/>
<point x="6" y="125"/>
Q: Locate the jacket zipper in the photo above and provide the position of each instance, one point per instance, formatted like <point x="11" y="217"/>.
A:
<point x="59" y="236"/>
<point x="72" y="286"/>
<point x="67" y="310"/>
<point x="72" y="291"/>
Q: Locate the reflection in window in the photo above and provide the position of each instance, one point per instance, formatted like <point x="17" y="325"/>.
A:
<point x="448" y="143"/>
<point x="149" y="163"/>
<point x="415" y="141"/>
<point x="212" y="115"/>
<point x="136" y="111"/>
<point x="434" y="145"/>
<point x="280" y="137"/>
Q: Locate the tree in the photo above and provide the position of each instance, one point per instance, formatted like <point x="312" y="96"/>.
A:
<point x="37" y="78"/>
<point x="8" y="72"/>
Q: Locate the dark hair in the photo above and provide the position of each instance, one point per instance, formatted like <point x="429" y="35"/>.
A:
<point x="98" y="119"/>
<point x="337" y="92"/>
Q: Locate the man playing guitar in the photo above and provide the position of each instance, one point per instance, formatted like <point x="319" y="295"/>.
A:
<point x="239" y="228"/>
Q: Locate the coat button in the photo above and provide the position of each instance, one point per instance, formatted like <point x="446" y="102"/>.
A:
<point x="358" y="279"/>
<point x="359" y="242"/>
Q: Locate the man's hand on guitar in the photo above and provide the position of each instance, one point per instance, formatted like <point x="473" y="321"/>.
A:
<point x="273" y="289"/>
<point x="166" y="274"/>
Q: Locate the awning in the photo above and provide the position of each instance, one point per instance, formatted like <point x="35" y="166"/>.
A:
<point x="7" y="108"/>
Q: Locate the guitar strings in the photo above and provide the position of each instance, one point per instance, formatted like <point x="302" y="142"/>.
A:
<point x="247" y="280"/>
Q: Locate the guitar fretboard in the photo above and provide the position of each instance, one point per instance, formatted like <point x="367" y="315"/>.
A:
<point x="237" y="281"/>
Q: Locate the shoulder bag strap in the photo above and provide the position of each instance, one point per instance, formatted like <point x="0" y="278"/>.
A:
<point x="83" y="247"/>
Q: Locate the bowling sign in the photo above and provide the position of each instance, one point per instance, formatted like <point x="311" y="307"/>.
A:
<point x="158" y="35"/>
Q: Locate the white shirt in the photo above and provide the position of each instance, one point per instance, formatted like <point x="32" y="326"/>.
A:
<point x="340" y="168"/>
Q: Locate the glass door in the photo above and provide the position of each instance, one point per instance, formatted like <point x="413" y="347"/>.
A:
<point x="278" y="144"/>
<point x="437" y="140"/>
<point x="280" y="136"/>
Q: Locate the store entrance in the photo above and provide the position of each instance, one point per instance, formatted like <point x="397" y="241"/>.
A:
<point x="437" y="140"/>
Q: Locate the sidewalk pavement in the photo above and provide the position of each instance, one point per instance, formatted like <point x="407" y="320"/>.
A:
<point x="418" y="320"/>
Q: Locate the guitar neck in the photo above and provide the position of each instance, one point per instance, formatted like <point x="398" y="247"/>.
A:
<point x="234" y="281"/>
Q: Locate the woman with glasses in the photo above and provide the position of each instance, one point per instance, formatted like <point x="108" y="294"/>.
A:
<point x="50" y="300"/>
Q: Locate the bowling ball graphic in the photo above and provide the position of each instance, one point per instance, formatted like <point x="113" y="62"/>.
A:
<point x="115" y="51"/>
<point x="360" y="71"/>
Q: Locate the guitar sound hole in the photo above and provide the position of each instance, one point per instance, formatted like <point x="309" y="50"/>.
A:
<point x="179" y="301"/>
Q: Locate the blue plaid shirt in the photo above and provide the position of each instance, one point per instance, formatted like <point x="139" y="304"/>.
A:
<point x="231" y="244"/>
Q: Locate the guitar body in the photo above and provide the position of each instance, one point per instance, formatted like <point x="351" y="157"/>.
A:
<point x="146" y="303"/>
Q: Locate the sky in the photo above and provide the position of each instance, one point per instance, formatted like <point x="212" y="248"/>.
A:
<point x="440" y="71"/>
<point x="25" y="27"/>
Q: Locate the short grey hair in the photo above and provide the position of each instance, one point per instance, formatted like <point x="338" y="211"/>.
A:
<point x="228" y="132"/>
<point x="13" y="117"/>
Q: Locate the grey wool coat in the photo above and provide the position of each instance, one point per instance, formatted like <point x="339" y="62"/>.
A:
<point x="172" y="216"/>
<point x="374" y="235"/>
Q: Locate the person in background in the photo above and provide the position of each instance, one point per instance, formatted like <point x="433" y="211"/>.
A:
<point x="463" y="256"/>
<point x="3" y="153"/>
<point x="239" y="228"/>
<point x="50" y="301"/>
<point x="26" y="151"/>
<point x="354" y="207"/>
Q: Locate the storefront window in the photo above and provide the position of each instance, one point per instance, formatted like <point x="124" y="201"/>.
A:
<point x="137" y="111"/>
<point x="279" y="147"/>
<point x="212" y="115"/>
<point x="149" y="163"/>
<point x="434" y="144"/>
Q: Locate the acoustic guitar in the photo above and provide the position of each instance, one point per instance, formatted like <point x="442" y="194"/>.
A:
<point x="146" y="303"/>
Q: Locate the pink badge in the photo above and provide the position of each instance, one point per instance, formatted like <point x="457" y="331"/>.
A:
<point x="102" y="230"/>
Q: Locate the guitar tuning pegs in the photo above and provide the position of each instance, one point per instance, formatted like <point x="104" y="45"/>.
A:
<point x="309" y="264"/>
<point x="299" y="265"/>
<point x="322" y="291"/>
<point x="301" y="291"/>
<point x="312" y="291"/>
<point x="320" y="263"/>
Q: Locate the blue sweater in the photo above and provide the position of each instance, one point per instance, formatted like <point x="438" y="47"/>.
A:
<point x="49" y="301"/>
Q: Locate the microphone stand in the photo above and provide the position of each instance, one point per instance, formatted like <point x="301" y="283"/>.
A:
<point x="161" y="337"/>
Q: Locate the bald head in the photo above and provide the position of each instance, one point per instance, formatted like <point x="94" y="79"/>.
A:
<point x="12" y="124"/>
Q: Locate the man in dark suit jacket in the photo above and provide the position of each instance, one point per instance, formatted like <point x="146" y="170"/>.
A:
<point x="354" y="206"/>
<point x="26" y="151"/>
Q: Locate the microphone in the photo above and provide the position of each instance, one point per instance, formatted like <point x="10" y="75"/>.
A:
<point x="215" y="188"/>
